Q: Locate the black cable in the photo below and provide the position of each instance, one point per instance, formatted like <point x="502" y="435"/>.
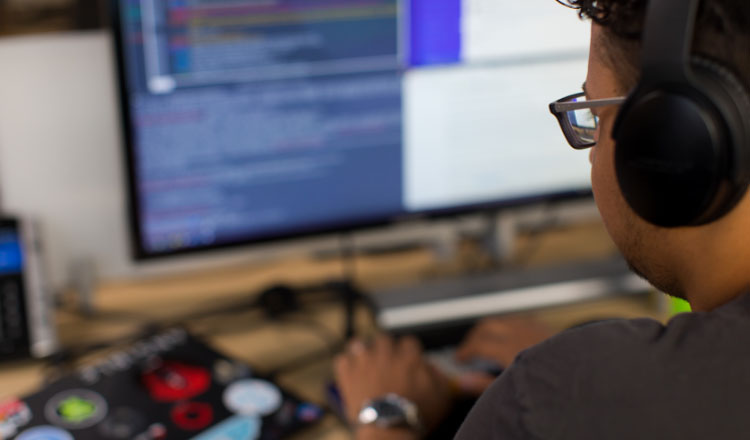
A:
<point x="348" y="291"/>
<point x="348" y="250"/>
<point x="371" y="306"/>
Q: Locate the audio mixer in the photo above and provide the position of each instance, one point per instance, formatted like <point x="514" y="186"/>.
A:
<point x="168" y="386"/>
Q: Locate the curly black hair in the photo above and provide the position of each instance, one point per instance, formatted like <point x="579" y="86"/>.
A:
<point x="722" y="33"/>
<point x="624" y="18"/>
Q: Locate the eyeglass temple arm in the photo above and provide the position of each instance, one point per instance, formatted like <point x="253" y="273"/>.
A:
<point x="594" y="103"/>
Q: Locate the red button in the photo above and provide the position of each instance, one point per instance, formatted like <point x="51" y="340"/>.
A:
<point x="192" y="416"/>
<point x="174" y="381"/>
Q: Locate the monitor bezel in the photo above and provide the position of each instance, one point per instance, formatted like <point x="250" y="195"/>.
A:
<point x="140" y="253"/>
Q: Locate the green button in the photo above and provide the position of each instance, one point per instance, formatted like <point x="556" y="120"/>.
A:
<point x="75" y="409"/>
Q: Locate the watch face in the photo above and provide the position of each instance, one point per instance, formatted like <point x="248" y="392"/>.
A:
<point x="391" y="412"/>
<point x="383" y="413"/>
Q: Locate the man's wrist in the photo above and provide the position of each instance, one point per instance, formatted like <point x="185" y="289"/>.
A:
<point x="372" y="432"/>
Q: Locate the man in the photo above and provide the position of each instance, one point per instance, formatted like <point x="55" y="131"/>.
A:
<point x="618" y="379"/>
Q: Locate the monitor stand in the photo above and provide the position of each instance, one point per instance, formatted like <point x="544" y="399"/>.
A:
<point x="500" y="237"/>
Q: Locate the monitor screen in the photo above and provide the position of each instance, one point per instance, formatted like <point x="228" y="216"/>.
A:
<point x="252" y="120"/>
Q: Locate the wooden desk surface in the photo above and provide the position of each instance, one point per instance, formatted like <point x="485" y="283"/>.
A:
<point x="124" y="306"/>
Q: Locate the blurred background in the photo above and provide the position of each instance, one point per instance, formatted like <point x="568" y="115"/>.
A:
<point x="19" y="17"/>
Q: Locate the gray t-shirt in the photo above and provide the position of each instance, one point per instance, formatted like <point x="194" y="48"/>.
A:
<point x="627" y="379"/>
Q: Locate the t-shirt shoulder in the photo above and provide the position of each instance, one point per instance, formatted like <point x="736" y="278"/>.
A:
<point x="593" y="381"/>
<point x="537" y="396"/>
<point x="600" y="340"/>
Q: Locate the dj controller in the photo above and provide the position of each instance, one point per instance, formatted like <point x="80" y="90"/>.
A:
<point x="168" y="386"/>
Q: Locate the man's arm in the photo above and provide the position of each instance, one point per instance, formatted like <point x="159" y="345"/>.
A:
<point x="367" y="371"/>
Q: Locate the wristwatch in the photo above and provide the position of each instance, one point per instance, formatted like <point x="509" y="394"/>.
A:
<point x="390" y="411"/>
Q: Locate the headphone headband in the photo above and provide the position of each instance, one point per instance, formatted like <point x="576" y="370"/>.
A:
<point x="667" y="40"/>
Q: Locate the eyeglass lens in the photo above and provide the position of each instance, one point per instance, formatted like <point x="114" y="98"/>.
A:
<point x="584" y="123"/>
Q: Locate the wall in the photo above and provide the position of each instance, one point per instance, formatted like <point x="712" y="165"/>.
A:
<point x="59" y="146"/>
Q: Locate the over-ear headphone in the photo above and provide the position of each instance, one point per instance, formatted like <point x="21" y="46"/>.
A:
<point x="682" y="153"/>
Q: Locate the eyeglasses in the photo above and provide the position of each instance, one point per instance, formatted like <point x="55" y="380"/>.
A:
<point x="576" y="119"/>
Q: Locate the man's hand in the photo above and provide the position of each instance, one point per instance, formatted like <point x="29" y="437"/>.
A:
<point x="367" y="371"/>
<point x="498" y="340"/>
<point x="501" y="339"/>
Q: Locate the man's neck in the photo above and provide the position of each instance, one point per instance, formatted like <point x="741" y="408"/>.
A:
<point x="713" y="281"/>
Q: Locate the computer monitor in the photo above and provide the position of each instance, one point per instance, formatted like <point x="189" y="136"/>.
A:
<point x="256" y="120"/>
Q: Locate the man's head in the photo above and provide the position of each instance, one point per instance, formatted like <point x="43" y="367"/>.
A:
<point x="700" y="263"/>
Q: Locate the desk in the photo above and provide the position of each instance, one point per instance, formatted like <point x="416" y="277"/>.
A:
<point x="125" y="305"/>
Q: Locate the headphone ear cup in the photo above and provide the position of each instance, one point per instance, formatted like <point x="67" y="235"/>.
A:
<point x="668" y="158"/>
<point x="676" y="149"/>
